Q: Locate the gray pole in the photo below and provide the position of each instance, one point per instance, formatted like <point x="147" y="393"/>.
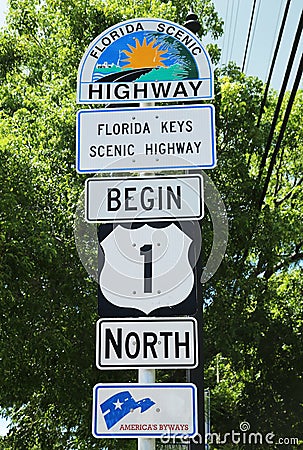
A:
<point x="146" y="376"/>
<point x="196" y="376"/>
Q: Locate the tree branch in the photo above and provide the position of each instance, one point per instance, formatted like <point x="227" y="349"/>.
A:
<point x="289" y="194"/>
<point x="295" y="256"/>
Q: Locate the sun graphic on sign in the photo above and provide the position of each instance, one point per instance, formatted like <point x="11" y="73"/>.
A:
<point x="144" y="55"/>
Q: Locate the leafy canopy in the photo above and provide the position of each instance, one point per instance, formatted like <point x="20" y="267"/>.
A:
<point x="253" y="324"/>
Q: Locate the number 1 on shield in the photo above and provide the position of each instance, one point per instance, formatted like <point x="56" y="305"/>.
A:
<point x="146" y="252"/>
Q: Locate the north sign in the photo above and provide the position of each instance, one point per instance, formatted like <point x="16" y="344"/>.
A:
<point x="136" y="410"/>
<point x="153" y="138"/>
<point x="144" y="198"/>
<point x="146" y="343"/>
<point x="145" y="60"/>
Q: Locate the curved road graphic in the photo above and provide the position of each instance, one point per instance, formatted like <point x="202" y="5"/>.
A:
<point x="129" y="75"/>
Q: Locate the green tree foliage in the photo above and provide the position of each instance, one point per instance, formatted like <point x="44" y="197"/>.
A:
<point x="48" y="301"/>
<point x="253" y="325"/>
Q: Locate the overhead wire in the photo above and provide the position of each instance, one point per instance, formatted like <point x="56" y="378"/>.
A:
<point x="253" y="34"/>
<point x="225" y="32"/>
<point x="273" y="62"/>
<point x="248" y="35"/>
<point x="281" y="94"/>
<point x="230" y="28"/>
<point x="282" y="130"/>
<point x="291" y="59"/>
<point x="234" y="32"/>
<point x="275" y="153"/>
<point x="224" y="35"/>
<point x="274" y="38"/>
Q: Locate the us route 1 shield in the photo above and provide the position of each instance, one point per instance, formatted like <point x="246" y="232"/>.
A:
<point x="152" y="410"/>
<point x="147" y="343"/>
<point x="148" y="269"/>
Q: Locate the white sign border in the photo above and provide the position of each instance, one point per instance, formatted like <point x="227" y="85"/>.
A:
<point x="142" y="386"/>
<point x="147" y="366"/>
<point x="151" y="168"/>
<point x="140" y="218"/>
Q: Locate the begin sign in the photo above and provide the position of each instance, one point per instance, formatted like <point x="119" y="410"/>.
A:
<point x="144" y="198"/>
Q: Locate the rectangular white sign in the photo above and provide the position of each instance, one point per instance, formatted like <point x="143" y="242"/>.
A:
<point x="144" y="198"/>
<point x="146" y="343"/>
<point x="152" y="410"/>
<point x="155" y="138"/>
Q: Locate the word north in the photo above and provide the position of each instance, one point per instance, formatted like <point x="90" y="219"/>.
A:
<point x="147" y="344"/>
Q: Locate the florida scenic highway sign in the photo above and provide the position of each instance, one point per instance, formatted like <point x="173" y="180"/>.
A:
<point x="151" y="410"/>
<point x="151" y="138"/>
<point x="145" y="60"/>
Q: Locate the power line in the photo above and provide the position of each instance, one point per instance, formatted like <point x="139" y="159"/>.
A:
<point x="281" y="94"/>
<point x="225" y="33"/>
<point x="274" y="38"/>
<point x="234" y="33"/>
<point x="274" y="155"/>
<point x="282" y="27"/>
<point x="273" y="125"/>
<point x="282" y="130"/>
<point x="230" y="28"/>
<point x="253" y="34"/>
<point x="248" y="35"/>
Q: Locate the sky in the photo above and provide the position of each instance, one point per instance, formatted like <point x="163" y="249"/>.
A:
<point x="265" y="29"/>
<point x="236" y="15"/>
<point x="3" y="427"/>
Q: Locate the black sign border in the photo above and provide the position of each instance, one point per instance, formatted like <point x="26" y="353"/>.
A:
<point x="187" y="307"/>
<point x="147" y="365"/>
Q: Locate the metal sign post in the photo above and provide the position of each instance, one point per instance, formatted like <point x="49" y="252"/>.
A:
<point x="146" y="376"/>
<point x="196" y="376"/>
